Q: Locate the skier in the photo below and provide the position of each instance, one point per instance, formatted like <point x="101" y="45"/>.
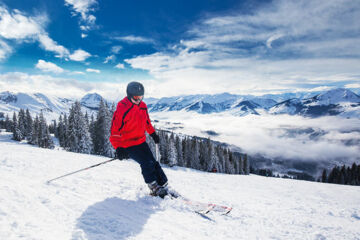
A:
<point x="129" y="123"/>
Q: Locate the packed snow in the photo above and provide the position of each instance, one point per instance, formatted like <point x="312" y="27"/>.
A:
<point x="112" y="202"/>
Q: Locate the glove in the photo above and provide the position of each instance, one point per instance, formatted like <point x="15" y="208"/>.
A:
<point x="155" y="137"/>
<point x="121" y="153"/>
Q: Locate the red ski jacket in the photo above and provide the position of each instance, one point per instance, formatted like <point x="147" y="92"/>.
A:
<point x="129" y="123"/>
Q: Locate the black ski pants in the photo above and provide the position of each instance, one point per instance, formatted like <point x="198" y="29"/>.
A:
<point x="150" y="168"/>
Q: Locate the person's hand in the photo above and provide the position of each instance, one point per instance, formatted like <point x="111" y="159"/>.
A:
<point x="155" y="137"/>
<point x="121" y="153"/>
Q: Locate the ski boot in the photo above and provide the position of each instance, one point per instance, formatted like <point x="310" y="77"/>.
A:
<point x="157" y="190"/>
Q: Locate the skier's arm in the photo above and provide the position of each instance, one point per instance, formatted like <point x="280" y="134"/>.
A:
<point x="117" y="120"/>
<point x="149" y="128"/>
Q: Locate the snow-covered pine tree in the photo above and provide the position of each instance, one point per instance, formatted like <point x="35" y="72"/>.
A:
<point x="35" y="132"/>
<point x="28" y="125"/>
<point x="15" y="130"/>
<point x="8" y="123"/>
<point x="187" y="152"/>
<point x="179" y="149"/>
<point x="87" y="119"/>
<point x="45" y="140"/>
<point x="195" y="149"/>
<point x="79" y="136"/>
<point x="214" y="160"/>
<point x="163" y="147"/>
<point x="66" y="132"/>
<point x="246" y="163"/>
<point x="225" y="161"/>
<point x="92" y="131"/>
<point x="102" y="145"/>
<point x="59" y="130"/>
<point x="22" y="124"/>
<point x="171" y="151"/>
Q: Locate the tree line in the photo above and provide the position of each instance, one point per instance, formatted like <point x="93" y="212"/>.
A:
<point x="199" y="153"/>
<point x="77" y="132"/>
<point x="24" y="127"/>
<point x="342" y="175"/>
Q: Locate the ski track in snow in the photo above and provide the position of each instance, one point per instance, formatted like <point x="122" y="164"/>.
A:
<point x="111" y="202"/>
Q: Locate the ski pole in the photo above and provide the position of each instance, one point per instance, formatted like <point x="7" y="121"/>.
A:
<point x="81" y="170"/>
<point x="157" y="152"/>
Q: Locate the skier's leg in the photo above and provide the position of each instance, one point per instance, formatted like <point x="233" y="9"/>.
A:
<point x="147" y="165"/>
<point x="160" y="175"/>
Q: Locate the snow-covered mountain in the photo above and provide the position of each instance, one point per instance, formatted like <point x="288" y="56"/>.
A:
<point x="238" y="104"/>
<point x="111" y="202"/>
<point x="339" y="101"/>
<point x="51" y="106"/>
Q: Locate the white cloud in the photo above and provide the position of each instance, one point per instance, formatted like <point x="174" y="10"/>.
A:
<point x="15" y="25"/>
<point x="116" y="49"/>
<point x="61" y="87"/>
<point x="134" y="39"/>
<point x="83" y="35"/>
<point x="120" y="66"/>
<point x="77" y="73"/>
<point x="79" y="55"/>
<point x="353" y="85"/>
<point x="272" y="39"/>
<point x="48" y="67"/>
<point x="91" y="70"/>
<point x="84" y="9"/>
<point x="270" y="136"/>
<point x="110" y="58"/>
<point x="237" y="53"/>
<point x="5" y="50"/>
<point x="50" y="45"/>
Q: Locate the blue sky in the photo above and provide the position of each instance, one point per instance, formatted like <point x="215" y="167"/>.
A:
<point x="71" y="47"/>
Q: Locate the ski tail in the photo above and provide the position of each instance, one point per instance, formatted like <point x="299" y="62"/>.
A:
<point x="200" y="207"/>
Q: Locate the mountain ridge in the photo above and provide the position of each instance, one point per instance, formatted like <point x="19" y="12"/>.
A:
<point x="339" y="101"/>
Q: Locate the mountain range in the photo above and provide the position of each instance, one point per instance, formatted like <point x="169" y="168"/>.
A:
<point x="340" y="101"/>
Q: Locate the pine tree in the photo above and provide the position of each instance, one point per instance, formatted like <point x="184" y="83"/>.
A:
<point x="21" y="124"/>
<point x="15" y="130"/>
<point x="163" y="147"/>
<point x="45" y="140"/>
<point x="8" y="123"/>
<point x="171" y="151"/>
<point x="66" y="133"/>
<point x="353" y="174"/>
<point x="187" y="153"/>
<point x="92" y="130"/>
<point x="79" y="137"/>
<point x="179" y="151"/>
<point x="35" y="132"/>
<point x="28" y="125"/>
<point x="102" y="145"/>
<point x="324" y="176"/>
<point x="195" y="150"/>
<point x="214" y="160"/>
<point x="246" y="165"/>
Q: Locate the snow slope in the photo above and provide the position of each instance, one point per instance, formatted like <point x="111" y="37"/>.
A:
<point x="111" y="202"/>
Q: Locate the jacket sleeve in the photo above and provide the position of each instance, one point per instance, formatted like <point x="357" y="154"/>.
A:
<point x="117" y="119"/>
<point x="149" y="127"/>
<point x="116" y="123"/>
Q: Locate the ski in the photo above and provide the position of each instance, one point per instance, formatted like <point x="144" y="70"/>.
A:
<point x="200" y="207"/>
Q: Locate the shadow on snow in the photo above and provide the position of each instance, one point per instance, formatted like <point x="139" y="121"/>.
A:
<point x="114" y="218"/>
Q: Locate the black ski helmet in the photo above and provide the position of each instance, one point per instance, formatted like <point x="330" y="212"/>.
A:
<point x="135" y="89"/>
